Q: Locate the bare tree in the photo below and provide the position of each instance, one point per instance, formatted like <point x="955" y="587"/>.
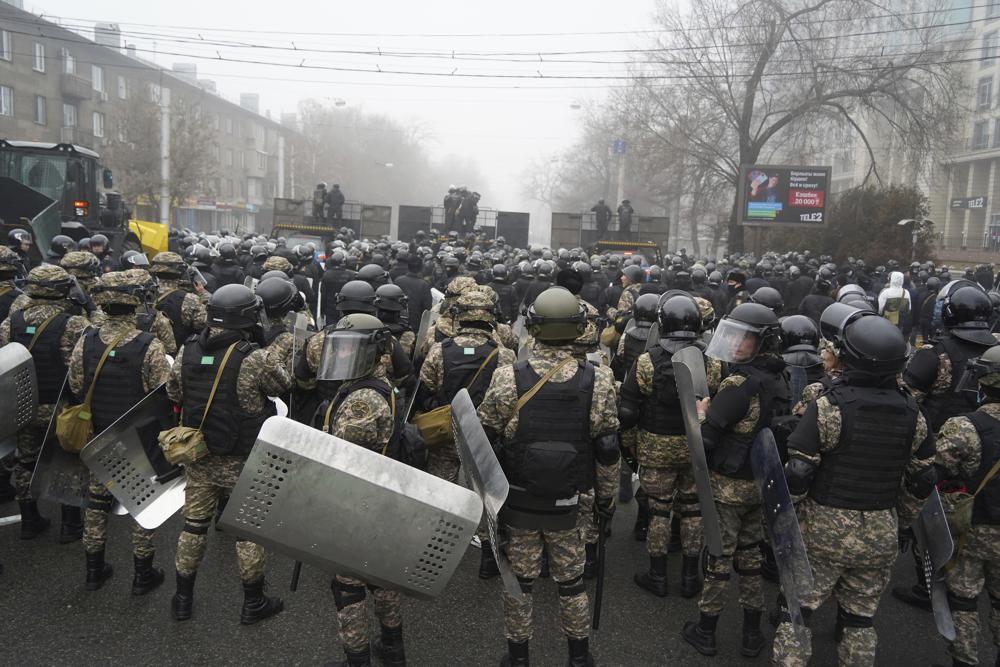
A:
<point x="192" y="140"/>
<point x="133" y="149"/>
<point x="542" y="180"/>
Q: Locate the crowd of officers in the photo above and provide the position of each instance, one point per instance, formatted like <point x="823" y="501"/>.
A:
<point x="568" y="360"/>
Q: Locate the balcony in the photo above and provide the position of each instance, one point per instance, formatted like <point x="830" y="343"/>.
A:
<point x="75" y="87"/>
<point x="77" y="136"/>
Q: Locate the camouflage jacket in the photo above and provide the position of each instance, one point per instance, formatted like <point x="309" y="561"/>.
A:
<point x="959" y="449"/>
<point x="432" y="372"/>
<point x="37" y="311"/>
<point x="193" y="313"/>
<point x="160" y="328"/>
<point x="730" y="490"/>
<point x="155" y="368"/>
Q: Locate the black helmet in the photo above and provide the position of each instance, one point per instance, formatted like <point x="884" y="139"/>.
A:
<point x="16" y="237"/>
<point x="749" y="330"/>
<point x="678" y="316"/>
<point x="373" y="274"/>
<point x="634" y="273"/>
<point x="698" y="276"/>
<point x="644" y="309"/>
<point x="800" y="341"/>
<point x="500" y="272"/>
<point x="556" y="316"/>
<point x="738" y="276"/>
<point x="965" y="311"/>
<point x="335" y="260"/>
<point x="60" y="245"/>
<point x="390" y="297"/>
<point x="279" y="296"/>
<point x="545" y="269"/>
<point x="770" y="297"/>
<point x="133" y="259"/>
<point x="356" y="296"/>
<point x="864" y="341"/>
<point x="715" y="278"/>
<point x="233" y="307"/>
<point x="227" y="253"/>
<point x="995" y="300"/>
<point x="451" y="265"/>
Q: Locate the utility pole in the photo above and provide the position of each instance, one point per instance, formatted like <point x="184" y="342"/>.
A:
<point x="165" y="156"/>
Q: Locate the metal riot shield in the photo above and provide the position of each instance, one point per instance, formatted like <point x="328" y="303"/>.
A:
<point x="59" y="476"/>
<point x="485" y="476"/>
<point x="127" y="460"/>
<point x="653" y="338"/>
<point x="689" y="375"/>
<point x="797" y="382"/>
<point x="437" y="296"/>
<point x="346" y="509"/>
<point x="782" y="525"/>
<point x="19" y="388"/>
<point x="251" y="283"/>
<point x="422" y="344"/>
<point x="935" y="544"/>
<point x="320" y="318"/>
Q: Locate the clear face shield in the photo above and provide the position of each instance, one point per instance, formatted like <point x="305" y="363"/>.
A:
<point x="348" y="354"/>
<point x="734" y="342"/>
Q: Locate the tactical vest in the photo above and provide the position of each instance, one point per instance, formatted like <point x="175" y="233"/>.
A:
<point x="460" y="365"/>
<point x="170" y="305"/>
<point x="591" y="293"/>
<point x="229" y="430"/>
<point x="731" y="456"/>
<point x="46" y="354"/>
<point x="550" y="454"/>
<point x="272" y="333"/>
<point x="865" y="469"/>
<point x="661" y="410"/>
<point x="895" y="309"/>
<point x="938" y="408"/>
<point x="986" y="507"/>
<point x="119" y="386"/>
<point x="632" y="350"/>
<point x="7" y="297"/>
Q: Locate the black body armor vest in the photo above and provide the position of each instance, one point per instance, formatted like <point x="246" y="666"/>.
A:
<point x="46" y="355"/>
<point x="7" y="300"/>
<point x="170" y="305"/>
<point x="661" y="410"/>
<point x="460" y="367"/>
<point x="939" y="408"/>
<point x="119" y="386"/>
<point x="986" y="507"/>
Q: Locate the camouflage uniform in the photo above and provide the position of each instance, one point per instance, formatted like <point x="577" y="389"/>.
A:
<point x="10" y="264"/>
<point x="193" y="313"/>
<point x="565" y="548"/>
<point x="160" y="327"/>
<point x="84" y="266"/>
<point x="851" y="552"/>
<point x="155" y="371"/>
<point x="625" y="301"/>
<point x="261" y="375"/>
<point x="41" y="303"/>
<point x="277" y="263"/>
<point x="977" y="560"/>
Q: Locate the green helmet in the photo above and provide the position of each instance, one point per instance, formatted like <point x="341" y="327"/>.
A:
<point x="989" y="366"/>
<point x="556" y="316"/>
<point x="352" y="348"/>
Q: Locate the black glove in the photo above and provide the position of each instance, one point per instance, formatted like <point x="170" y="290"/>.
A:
<point x="906" y="539"/>
<point x="604" y="508"/>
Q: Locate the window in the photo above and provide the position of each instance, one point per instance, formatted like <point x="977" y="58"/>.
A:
<point x="6" y="101"/>
<point x="69" y="115"/>
<point x="984" y="93"/>
<point x="239" y="130"/>
<point x="41" y="110"/>
<point x="39" y="65"/>
<point x="262" y="161"/>
<point x="216" y="154"/>
<point x="154" y="92"/>
<point x="229" y="187"/>
<point x="993" y="8"/>
<point x="6" y="51"/>
<point x="996" y="133"/>
<point x="122" y="88"/>
<point x="243" y="159"/>
<point x="980" y="135"/>
<point x="228" y="123"/>
<point x="253" y="188"/>
<point x="989" y="52"/>
<point x="69" y="62"/>
<point x="258" y="133"/>
<point x="98" y="124"/>
<point x="97" y="78"/>
<point x="229" y="157"/>
<point x="215" y="122"/>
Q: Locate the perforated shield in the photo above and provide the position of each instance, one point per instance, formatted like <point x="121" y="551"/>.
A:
<point x="936" y="545"/>
<point x="485" y="476"/>
<point x="423" y="343"/>
<point x="127" y="460"/>
<point x="782" y="525"/>
<point x="689" y="375"/>
<point x="19" y="389"/>
<point x="59" y="476"/>
<point x="346" y="509"/>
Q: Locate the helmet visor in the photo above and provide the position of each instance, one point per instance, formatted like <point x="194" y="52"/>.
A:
<point x="347" y="355"/>
<point x="637" y="329"/>
<point x="734" y="342"/>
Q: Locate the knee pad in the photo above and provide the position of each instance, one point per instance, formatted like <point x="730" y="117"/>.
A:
<point x="846" y="619"/>
<point x="959" y="603"/>
<point x="575" y="586"/>
<point x="197" y="526"/>
<point x="100" y="503"/>
<point x="686" y="499"/>
<point x="659" y="511"/>
<point x="526" y="584"/>
<point x="344" y="595"/>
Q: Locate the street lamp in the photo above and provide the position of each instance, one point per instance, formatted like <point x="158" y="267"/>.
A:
<point x="914" y="233"/>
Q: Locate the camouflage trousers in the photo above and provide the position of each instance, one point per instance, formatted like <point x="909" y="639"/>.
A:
<point x="95" y="523"/>
<point x="207" y="480"/>
<point x="585" y="521"/>
<point x="976" y="565"/>
<point x="566" y="560"/>
<point x="29" y="444"/>
<point x="443" y="462"/>
<point x="663" y="486"/>
<point x="349" y="594"/>
<point x="857" y="589"/>
<point x="742" y="534"/>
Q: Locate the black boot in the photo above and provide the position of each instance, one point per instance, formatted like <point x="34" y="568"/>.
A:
<point x="256" y="605"/>
<point x="701" y="634"/>
<point x="389" y="647"/>
<point x="72" y="524"/>
<point x="147" y="578"/>
<point x="915" y="596"/>
<point x="675" y="535"/>
<point x="579" y="653"/>
<point x="517" y="654"/>
<point x="641" y="527"/>
<point x="488" y="567"/>
<point x="590" y="566"/>
<point x="180" y="605"/>
<point x="33" y="524"/>
<point x="97" y="570"/>
<point x="362" y="658"/>
<point x="654" y="581"/>
<point x="753" y="640"/>
<point x="690" y="576"/>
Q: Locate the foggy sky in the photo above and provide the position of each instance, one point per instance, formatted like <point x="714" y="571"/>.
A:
<point x="503" y="127"/>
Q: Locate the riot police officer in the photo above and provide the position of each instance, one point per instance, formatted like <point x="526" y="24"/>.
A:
<point x="507" y="296"/>
<point x="10" y="268"/>
<point x="227" y="270"/>
<point x="178" y="299"/>
<point x="633" y="341"/>
<point x="334" y="279"/>
<point x="390" y="306"/>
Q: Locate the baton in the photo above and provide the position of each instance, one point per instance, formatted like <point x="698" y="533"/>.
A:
<point x="296" y="571"/>
<point x="602" y="525"/>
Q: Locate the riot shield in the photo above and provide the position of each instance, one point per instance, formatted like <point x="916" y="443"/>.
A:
<point x="782" y="525"/>
<point x="797" y="382"/>
<point x="19" y="388"/>
<point x="59" y="476"/>
<point x="485" y="476"/>
<point x="437" y="296"/>
<point x="346" y="509"/>
<point x="689" y="375"/>
<point x="320" y="318"/>
<point x="653" y="338"/>
<point x="127" y="460"/>
<point x="935" y="544"/>
<point x="250" y="282"/>
<point x="422" y="343"/>
<point x="7" y="446"/>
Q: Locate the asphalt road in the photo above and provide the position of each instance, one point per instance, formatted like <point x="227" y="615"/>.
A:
<point x="47" y="618"/>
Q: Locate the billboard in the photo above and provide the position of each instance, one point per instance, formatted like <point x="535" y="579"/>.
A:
<point x="783" y="196"/>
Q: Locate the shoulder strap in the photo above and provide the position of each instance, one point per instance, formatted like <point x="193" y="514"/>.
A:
<point x="166" y="294"/>
<point x="40" y="328"/>
<point x="527" y="396"/>
<point x="215" y="385"/>
<point x="485" y="363"/>
<point x="104" y="357"/>
<point x="4" y="291"/>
